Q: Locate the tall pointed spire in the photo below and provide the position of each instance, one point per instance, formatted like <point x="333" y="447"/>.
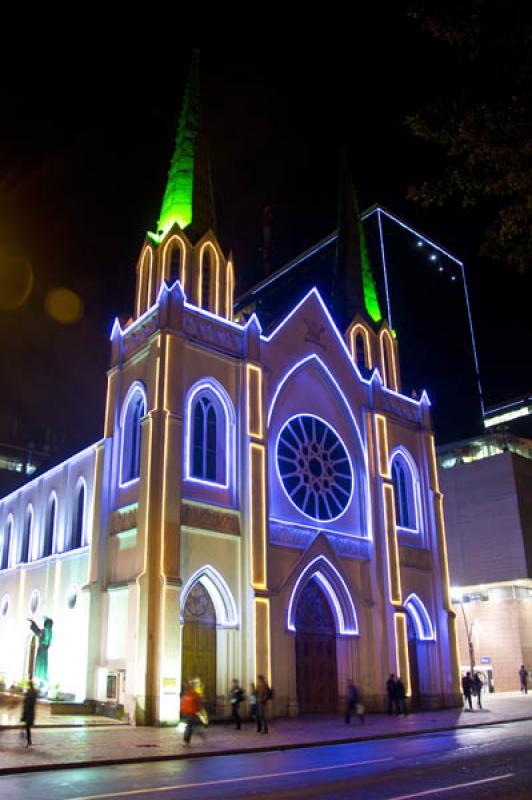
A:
<point x="354" y="288"/>
<point x="188" y="198"/>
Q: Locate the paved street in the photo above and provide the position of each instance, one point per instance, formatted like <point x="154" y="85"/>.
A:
<point x="55" y="746"/>
<point x="489" y="762"/>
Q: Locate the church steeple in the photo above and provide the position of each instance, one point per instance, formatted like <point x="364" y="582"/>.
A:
<point x="354" y="288"/>
<point x="188" y="197"/>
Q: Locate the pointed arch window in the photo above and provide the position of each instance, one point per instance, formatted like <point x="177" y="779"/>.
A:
<point x="208" y="437"/>
<point x="6" y="544"/>
<point x="24" y="552"/>
<point x="360" y="353"/>
<point x="405" y="491"/>
<point x="206" y="279"/>
<point x="49" y="527"/>
<point x="174" y="271"/>
<point x="134" y="411"/>
<point x="388" y="361"/>
<point x="78" y="515"/>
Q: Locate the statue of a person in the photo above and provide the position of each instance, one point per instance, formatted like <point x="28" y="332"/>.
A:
<point x="44" y="637"/>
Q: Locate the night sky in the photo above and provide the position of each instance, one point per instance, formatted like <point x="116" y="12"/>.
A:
<point x="86" y="137"/>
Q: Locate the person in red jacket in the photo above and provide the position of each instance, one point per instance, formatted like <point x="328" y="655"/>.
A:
<point x="190" y="706"/>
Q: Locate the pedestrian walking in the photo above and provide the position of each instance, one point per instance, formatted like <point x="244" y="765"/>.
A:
<point x="28" y="711"/>
<point x="190" y="708"/>
<point x="236" y="695"/>
<point x="390" y="690"/>
<point x="252" y="697"/>
<point x="353" y="704"/>
<point x="523" y="679"/>
<point x="264" y="694"/>
<point x="477" y="688"/>
<point x="400" y="697"/>
<point x="467" y="688"/>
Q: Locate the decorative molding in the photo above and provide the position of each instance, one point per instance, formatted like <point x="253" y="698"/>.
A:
<point x="415" y="557"/>
<point x="401" y="408"/>
<point x="123" y="520"/>
<point x="215" y="334"/>
<point x="349" y="547"/>
<point x="140" y="334"/>
<point x="211" y="519"/>
<point x="345" y="546"/>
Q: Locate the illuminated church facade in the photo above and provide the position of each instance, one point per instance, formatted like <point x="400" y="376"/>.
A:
<point x="261" y="502"/>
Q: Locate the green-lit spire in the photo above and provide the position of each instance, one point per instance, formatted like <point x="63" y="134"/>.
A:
<point x="188" y="196"/>
<point x="354" y="288"/>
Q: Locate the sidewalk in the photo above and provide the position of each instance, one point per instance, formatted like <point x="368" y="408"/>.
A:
<point x="56" y="748"/>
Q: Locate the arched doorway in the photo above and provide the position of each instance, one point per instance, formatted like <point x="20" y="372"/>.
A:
<point x="316" y="673"/>
<point x="199" y="642"/>
<point x="413" y="662"/>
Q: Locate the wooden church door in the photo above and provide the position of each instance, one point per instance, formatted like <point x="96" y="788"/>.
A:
<point x="316" y="673"/>
<point x="199" y="642"/>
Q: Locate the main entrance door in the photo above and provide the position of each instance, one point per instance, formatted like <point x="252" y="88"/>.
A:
<point x="199" y="642"/>
<point x="316" y="676"/>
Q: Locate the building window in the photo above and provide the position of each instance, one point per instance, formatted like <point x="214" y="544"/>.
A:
<point x="76" y="538"/>
<point x="206" y="279"/>
<point x="175" y="264"/>
<point x="6" y="544"/>
<point x="49" y="528"/>
<point x="360" y="353"/>
<point x="404" y="484"/>
<point x="208" y="437"/>
<point x="135" y="409"/>
<point x="24" y="551"/>
<point x="314" y="467"/>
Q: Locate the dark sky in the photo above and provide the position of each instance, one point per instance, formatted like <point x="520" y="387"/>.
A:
<point x="86" y="136"/>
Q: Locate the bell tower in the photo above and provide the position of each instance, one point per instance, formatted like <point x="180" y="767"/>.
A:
<point x="184" y="246"/>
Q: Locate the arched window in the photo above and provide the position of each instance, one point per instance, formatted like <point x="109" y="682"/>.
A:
<point x="388" y="360"/>
<point x="229" y="291"/>
<point x="174" y="264"/>
<point x="24" y="551"/>
<point x="204" y="432"/>
<point x="134" y="410"/>
<point x="145" y="281"/>
<point x="49" y="527"/>
<point x="360" y="352"/>
<point x="206" y="279"/>
<point x="6" y="544"/>
<point x="405" y="491"/>
<point x="76" y="536"/>
<point x="207" y="436"/>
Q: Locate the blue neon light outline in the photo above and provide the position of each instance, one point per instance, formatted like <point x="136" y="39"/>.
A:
<point x="28" y="512"/>
<point x="314" y="291"/>
<point x="384" y="268"/>
<point x="137" y="387"/>
<point x="81" y="482"/>
<point x="314" y="528"/>
<point x="52" y="497"/>
<point x="420" y="617"/>
<point x="10" y="520"/>
<point x="306" y="575"/>
<point x="353" y="478"/>
<point x="307" y="254"/>
<point x="212" y="385"/>
<point x="223" y="601"/>
<point x="401" y="452"/>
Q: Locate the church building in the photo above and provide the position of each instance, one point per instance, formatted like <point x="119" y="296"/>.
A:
<point x="261" y="501"/>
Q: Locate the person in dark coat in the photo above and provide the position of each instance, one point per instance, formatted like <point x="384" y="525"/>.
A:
<point x="353" y="704"/>
<point x="28" y="711"/>
<point x="477" y="688"/>
<point x="400" y="697"/>
<point x="523" y="679"/>
<point x="390" y="690"/>
<point x="264" y="694"/>
<point x="467" y="688"/>
<point x="236" y="695"/>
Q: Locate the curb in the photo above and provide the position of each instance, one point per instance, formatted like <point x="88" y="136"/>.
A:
<point x="109" y="762"/>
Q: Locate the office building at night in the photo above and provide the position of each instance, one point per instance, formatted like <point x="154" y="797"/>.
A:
<point x="261" y="502"/>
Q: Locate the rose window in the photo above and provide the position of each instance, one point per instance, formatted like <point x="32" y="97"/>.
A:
<point x="314" y="467"/>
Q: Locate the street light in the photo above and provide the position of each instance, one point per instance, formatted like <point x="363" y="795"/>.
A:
<point x="458" y="598"/>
